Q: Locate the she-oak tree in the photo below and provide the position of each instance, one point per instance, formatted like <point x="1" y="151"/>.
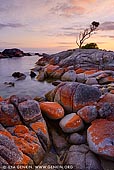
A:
<point x="86" y="33"/>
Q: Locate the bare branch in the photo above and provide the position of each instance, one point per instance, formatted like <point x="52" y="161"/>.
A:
<point x="86" y="33"/>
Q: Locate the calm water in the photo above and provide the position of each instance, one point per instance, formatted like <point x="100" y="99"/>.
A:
<point x="22" y="87"/>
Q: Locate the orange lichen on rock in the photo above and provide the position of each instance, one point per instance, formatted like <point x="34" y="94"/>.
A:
<point x="107" y="98"/>
<point x="79" y="70"/>
<point x="21" y="129"/>
<point x="75" y="121"/>
<point x="112" y="91"/>
<point x="9" y="115"/>
<point x="1" y="99"/>
<point x="39" y="126"/>
<point x="51" y="68"/>
<point x="71" y="123"/>
<point x="58" y="73"/>
<point x="110" y="79"/>
<point x="64" y="96"/>
<point x="79" y="106"/>
<point x="52" y="110"/>
<point x="25" y="146"/>
<point x="89" y="72"/>
<point x="6" y="133"/>
<point x="24" y="161"/>
<point x="101" y="137"/>
<point x="88" y="113"/>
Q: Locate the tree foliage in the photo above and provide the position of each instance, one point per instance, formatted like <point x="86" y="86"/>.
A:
<point x="86" y="33"/>
<point x="90" y="46"/>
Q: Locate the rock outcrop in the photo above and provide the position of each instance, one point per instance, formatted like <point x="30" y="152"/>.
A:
<point x="73" y="124"/>
<point x="14" y="52"/>
<point x="24" y="137"/>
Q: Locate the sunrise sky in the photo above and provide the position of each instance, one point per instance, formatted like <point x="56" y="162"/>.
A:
<point x="53" y="25"/>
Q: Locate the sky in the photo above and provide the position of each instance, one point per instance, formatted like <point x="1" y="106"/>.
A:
<point x="54" y="25"/>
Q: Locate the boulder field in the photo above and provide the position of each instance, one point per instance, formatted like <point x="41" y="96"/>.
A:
<point x="73" y="125"/>
<point x="75" y="128"/>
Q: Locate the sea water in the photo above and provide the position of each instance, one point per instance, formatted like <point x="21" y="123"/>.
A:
<point x="28" y="86"/>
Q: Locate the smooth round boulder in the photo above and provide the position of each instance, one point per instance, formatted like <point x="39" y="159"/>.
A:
<point x="71" y="123"/>
<point x="88" y="113"/>
<point x="73" y="96"/>
<point x="52" y="110"/>
<point x="69" y="76"/>
<point x="100" y="137"/>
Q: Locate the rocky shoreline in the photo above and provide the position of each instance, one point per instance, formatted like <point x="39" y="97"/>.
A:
<point x="73" y="125"/>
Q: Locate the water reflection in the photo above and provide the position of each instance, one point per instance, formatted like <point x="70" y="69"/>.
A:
<point x="23" y="87"/>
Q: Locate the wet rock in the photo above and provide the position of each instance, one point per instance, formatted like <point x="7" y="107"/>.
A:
<point x="73" y="96"/>
<point x="100" y="137"/>
<point x="41" y="76"/>
<point x="19" y="76"/>
<point x="76" y="139"/>
<point x="71" y="123"/>
<point x="52" y="110"/>
<point x="32" y="74"/>
<point x="69" y="76"/>
<point x="88" y="113"/>
<point x="14" y="52"/>
<point x="39" y="99"/>
<point x="50" y="96"/>
<point x="30" y="111"/>
<point x="80" y="157"/>
<point x="56" y="83"/>
<point x="9" y="115"/>
<point x="37" y="68"/>
<point x="9" y="84"/>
